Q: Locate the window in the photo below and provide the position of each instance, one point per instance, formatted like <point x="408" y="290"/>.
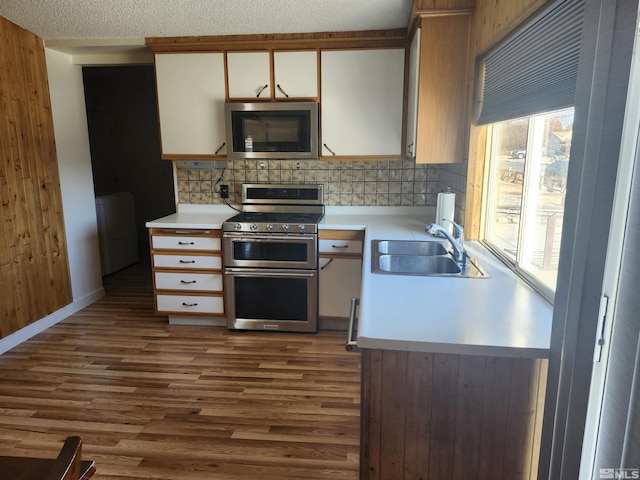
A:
<point x="526" y="177"/>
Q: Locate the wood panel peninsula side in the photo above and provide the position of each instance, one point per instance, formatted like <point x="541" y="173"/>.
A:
<point x="436" y="416"/>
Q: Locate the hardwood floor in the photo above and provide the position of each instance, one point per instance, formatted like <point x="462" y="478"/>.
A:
<point x="154" y="401"/>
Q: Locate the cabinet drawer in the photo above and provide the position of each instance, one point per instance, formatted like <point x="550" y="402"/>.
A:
<point x="189" y="304"/>
<point x="339" y="246"/>
<point x="185" y="242"/>
<point x="211" y="262"/>
<point x="207" y="282"/>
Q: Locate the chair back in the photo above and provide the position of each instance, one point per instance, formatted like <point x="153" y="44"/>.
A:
<point x="67" y="465"/>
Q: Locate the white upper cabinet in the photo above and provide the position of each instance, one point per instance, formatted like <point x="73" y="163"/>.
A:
<point x="249" y="75"/>
<point x="412" y="95"/>
<point x="362" y="98"/>
<point x="296" y="74"/>
<point x="191" y="97"/>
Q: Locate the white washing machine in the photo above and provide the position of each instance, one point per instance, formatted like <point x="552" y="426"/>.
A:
<point x="117" y="233"/>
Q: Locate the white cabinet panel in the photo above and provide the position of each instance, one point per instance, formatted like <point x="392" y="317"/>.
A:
<point x="248" y="73"/>
<point x="206" y="282"/>
<point x="340" y="280"/>
<point x="339" y="246"/>
<point x="185" y="243"/>
<point x="191" y="262"/>
<point x="189" y="304"/>
<point x="412" y="95"/>
<point x="296" y="73"/>
<point x="191" y="96"/>
<point x="362" y="98"/>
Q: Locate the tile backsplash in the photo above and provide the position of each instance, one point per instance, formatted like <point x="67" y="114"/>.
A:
<point x="346" y="183"/>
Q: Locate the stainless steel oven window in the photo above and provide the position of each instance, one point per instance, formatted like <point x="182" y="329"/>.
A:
<point x="262" y="299"/>
<point x="279" y="251"/>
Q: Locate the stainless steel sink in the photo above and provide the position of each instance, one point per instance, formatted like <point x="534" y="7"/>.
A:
<point x="426" y="258"/>
<point x="418" y="264"/>
<point x="409" y="247"/>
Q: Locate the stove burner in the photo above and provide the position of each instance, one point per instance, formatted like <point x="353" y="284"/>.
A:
<point x="279" y="217"/>
<point x="280" y="209"/>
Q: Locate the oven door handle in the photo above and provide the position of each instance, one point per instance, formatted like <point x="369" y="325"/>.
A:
<point x="268" y="272"/>
<point x="268" y="238"/>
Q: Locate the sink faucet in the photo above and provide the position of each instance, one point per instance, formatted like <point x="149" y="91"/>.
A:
<point x="456" y="240"/>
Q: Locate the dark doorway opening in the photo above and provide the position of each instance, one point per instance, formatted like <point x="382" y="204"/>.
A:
<point x="122" y="116"/>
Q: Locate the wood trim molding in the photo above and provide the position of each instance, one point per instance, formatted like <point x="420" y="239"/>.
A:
<point x="293" y="41"/>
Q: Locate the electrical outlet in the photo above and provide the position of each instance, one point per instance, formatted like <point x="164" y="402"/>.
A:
<point x="224" y="191"/>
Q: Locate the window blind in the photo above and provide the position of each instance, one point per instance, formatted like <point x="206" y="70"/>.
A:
<point x="535" y="68"/>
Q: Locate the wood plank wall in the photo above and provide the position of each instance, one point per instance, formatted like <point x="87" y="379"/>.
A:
<point x="34" y="271"/>
<point x="444" y="416"/>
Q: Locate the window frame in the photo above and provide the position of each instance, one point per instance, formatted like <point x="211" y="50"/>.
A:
<point x="530" y="182"/>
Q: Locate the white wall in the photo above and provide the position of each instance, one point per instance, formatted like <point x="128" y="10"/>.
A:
<point x="76" y="180"/>
<point x="78" y="200"/>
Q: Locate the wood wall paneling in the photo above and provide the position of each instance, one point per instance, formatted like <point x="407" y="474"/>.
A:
<point x="494" y="19"/>
<point x="284" y="41"/>
<point x="442" y="107"/>
<point x="436" y="416"/>
<point x="444" y="4"/>
<point x="34" y="273"/>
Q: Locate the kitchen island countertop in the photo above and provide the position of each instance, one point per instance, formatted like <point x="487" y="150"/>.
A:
<point x="497" y="316"/>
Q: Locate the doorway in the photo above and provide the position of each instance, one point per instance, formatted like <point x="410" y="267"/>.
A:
<point x="122" y="117"/>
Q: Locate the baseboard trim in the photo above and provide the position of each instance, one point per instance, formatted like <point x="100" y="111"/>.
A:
<point x="24" y="334"/>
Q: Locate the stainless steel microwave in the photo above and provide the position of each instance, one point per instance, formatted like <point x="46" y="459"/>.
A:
<point x="272" y="130"/>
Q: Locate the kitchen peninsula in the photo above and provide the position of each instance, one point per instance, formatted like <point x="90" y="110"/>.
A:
<point x="453" y="369"/>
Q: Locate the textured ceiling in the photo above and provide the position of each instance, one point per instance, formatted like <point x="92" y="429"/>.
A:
<point x="106" y="19"/>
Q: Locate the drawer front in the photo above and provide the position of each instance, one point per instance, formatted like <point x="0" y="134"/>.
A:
<point x="339" y="246"/>
<point x="189" y="304"/>
<point x="185" y="242"/>
<point x="207" y="282"/>
<point x="210" y="262"/>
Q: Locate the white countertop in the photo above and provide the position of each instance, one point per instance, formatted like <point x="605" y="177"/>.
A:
<point x="498" y="316"/>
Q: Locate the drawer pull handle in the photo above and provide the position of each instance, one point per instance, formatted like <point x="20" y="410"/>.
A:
<point x="339" y="246"/>
<point x="185" y="243"/>
<point x="187" y="261"/>
<point x="184" y="304"/>
<point x="187" y="282"/>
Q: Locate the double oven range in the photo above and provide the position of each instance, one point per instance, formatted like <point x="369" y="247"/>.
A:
<point x="271" y="258"/>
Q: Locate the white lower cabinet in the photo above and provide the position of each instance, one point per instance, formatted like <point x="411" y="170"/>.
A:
<point x="340" y="275"/>
<point x="187" y="276"/>
<point x="340" y="280"/>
